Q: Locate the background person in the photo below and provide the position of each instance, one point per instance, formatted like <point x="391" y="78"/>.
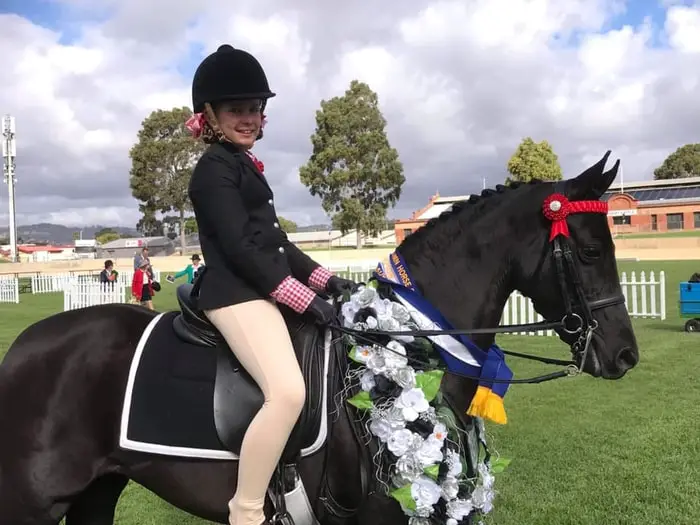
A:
<point x="142" y="285"/>
<point x="109" y="274"/>
<point x="190" y="270"/>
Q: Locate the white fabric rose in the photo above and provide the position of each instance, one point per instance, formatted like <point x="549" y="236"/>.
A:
<point x="394" y="355"/>
<point x="348" y="312"/>
<point x="454" y="462"/>
<point x="458" y="509"/>
<point x="381" y="428"/>
<point x="430" y="452"/>
<point x="376" y="363"/>
<point x="400" y="441"/>
<point x="367" y="382"/>
<point x="400" y="313"/>
<point x="388" y="324"/>
<point x="364" y="297"/>
<point x="404" y="377"/>
<point x="408" y="468"/>
<point x="487" y="478"/>
<point x="425" y="492"/>
<point x="412" y="402"/>
<point x="450" y="488"/>
<point x="363" y="353"/>
<point x="395" y="418"/>
<point x="482" y="498"/>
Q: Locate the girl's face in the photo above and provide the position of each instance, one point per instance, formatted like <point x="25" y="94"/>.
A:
<point x="240" y="121"/>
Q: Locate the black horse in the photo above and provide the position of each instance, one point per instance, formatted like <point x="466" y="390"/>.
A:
<point x="63" y="381"/>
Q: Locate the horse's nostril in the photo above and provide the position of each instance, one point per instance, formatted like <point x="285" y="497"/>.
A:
<point x="627" y="358"/>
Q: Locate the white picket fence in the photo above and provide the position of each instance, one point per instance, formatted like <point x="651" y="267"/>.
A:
<point x="645" y="297"/>
<point x="80" y="294"/>
<point x="57" y="282"/>
<point x="49" y="283"/>
<point x="520" y="310"/>
<point x="9" y="290"/>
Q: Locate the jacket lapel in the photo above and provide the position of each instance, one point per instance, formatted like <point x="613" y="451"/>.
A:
<point x="246" y="160"/>
<point x="249" y="162"/>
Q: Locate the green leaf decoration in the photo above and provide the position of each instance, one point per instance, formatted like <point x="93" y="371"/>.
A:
<point x="500" y="464"/>
<point x="432" y="471"/>
<point x="373" y="283"/>
<point x="353" y="355"/>
<point x="403" y="496"/>
<point x="429" y="383"/>
<point x="361" y="401"/>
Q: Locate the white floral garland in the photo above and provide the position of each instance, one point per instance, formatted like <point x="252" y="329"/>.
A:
<point x="426" y="469"/>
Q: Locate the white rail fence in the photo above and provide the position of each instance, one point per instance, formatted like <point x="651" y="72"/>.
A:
<point x="57" y="282"/>
<point x="9" y="290"/>
<point x="80" y="294"/>
<point x="645" y="297"/>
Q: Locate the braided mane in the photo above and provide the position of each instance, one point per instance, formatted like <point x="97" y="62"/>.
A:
<point x="458" y="208"/>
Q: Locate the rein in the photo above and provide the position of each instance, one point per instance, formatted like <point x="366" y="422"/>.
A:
<point x="556" y="208"/>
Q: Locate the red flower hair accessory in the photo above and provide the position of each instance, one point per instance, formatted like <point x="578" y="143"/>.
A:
<point x="557" y="208"/>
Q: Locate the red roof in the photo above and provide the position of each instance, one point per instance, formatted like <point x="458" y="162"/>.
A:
<point x="48" y="248"/>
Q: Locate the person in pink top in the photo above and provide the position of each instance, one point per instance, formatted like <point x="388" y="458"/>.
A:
<point x="252" y="268"/>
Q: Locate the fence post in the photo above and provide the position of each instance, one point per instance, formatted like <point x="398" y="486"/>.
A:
<point x="662" y="281"/>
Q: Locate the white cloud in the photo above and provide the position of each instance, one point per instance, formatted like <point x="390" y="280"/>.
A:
<point x="683" y="27"/>
<point x="460" y="83"/>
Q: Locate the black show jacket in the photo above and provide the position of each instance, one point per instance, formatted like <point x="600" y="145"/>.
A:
<point x="246" y="252"/>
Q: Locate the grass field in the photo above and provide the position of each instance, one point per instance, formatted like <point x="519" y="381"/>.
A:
<point x="584" y="451"/>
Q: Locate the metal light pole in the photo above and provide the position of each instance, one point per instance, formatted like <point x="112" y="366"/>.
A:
<point x="9" y="152"/>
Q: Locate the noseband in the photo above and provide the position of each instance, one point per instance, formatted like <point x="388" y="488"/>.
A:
<point x="556" y="208"/>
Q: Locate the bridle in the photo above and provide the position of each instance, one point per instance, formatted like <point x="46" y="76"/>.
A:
<point x="556" y="208"/>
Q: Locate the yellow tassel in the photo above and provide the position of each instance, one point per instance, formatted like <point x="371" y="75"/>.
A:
<point x="488" y="405"/>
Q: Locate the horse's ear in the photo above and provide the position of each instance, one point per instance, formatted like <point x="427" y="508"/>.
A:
<point x="592" y="183"/>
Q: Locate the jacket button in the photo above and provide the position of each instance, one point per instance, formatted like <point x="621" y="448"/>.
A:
<point x="270" y="202"/>
<point x="277" y="225"/>
<point x="281" y="249"/>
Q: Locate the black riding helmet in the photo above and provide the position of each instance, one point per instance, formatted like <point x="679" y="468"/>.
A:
<point x="229" y="74"/>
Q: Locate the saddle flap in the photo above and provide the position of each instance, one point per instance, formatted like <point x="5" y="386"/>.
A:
<point x="237" y="398"/>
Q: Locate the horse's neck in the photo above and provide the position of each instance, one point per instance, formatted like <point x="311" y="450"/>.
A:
<point x="469" y="290"/>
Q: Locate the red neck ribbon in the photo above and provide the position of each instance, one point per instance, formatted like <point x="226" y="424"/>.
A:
<point x="557" y="208"/>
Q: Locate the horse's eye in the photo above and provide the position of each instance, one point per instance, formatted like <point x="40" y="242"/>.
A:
<point x="591" y="252"/>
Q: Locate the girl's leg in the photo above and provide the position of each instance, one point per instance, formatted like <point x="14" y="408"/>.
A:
<point x="257" y="334"/>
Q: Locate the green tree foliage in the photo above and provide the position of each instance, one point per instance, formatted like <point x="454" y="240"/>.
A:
<point x="353" y="168"/>
<point x="682" y="163"/>
<point x="161" y="166"/>
<point x="191" y="226"/>
<point x="149" y="225"/>
<point x="106" y="235"/>
<point x="533" y="160"/>
<point x="287" y="225"/>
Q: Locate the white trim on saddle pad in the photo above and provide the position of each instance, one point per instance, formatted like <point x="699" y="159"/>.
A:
<point x="184" y="452"/>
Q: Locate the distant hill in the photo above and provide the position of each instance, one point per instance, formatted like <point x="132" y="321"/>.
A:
<point x="59" y="234"/>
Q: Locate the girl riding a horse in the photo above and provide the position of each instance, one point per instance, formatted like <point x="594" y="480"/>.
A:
<point x="252" y="267"/>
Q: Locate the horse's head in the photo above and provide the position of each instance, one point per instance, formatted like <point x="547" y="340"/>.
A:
<point x="574" y="275"/>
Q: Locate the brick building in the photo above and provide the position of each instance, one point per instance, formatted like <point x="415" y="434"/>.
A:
<point x="634" y="207"/>
<point x="654" y="206"/>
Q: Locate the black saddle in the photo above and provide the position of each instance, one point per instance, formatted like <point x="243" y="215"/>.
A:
<point x="237" y="397"/>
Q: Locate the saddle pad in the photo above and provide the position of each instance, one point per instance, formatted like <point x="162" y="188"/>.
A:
<point x="168" y="403"/>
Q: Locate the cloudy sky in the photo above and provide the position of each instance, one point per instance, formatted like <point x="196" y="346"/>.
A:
<point x="460" y="83"/>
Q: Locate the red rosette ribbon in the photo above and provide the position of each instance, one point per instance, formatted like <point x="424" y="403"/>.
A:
<point x="557" y="208"/>
<point x="258" y="163"/>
